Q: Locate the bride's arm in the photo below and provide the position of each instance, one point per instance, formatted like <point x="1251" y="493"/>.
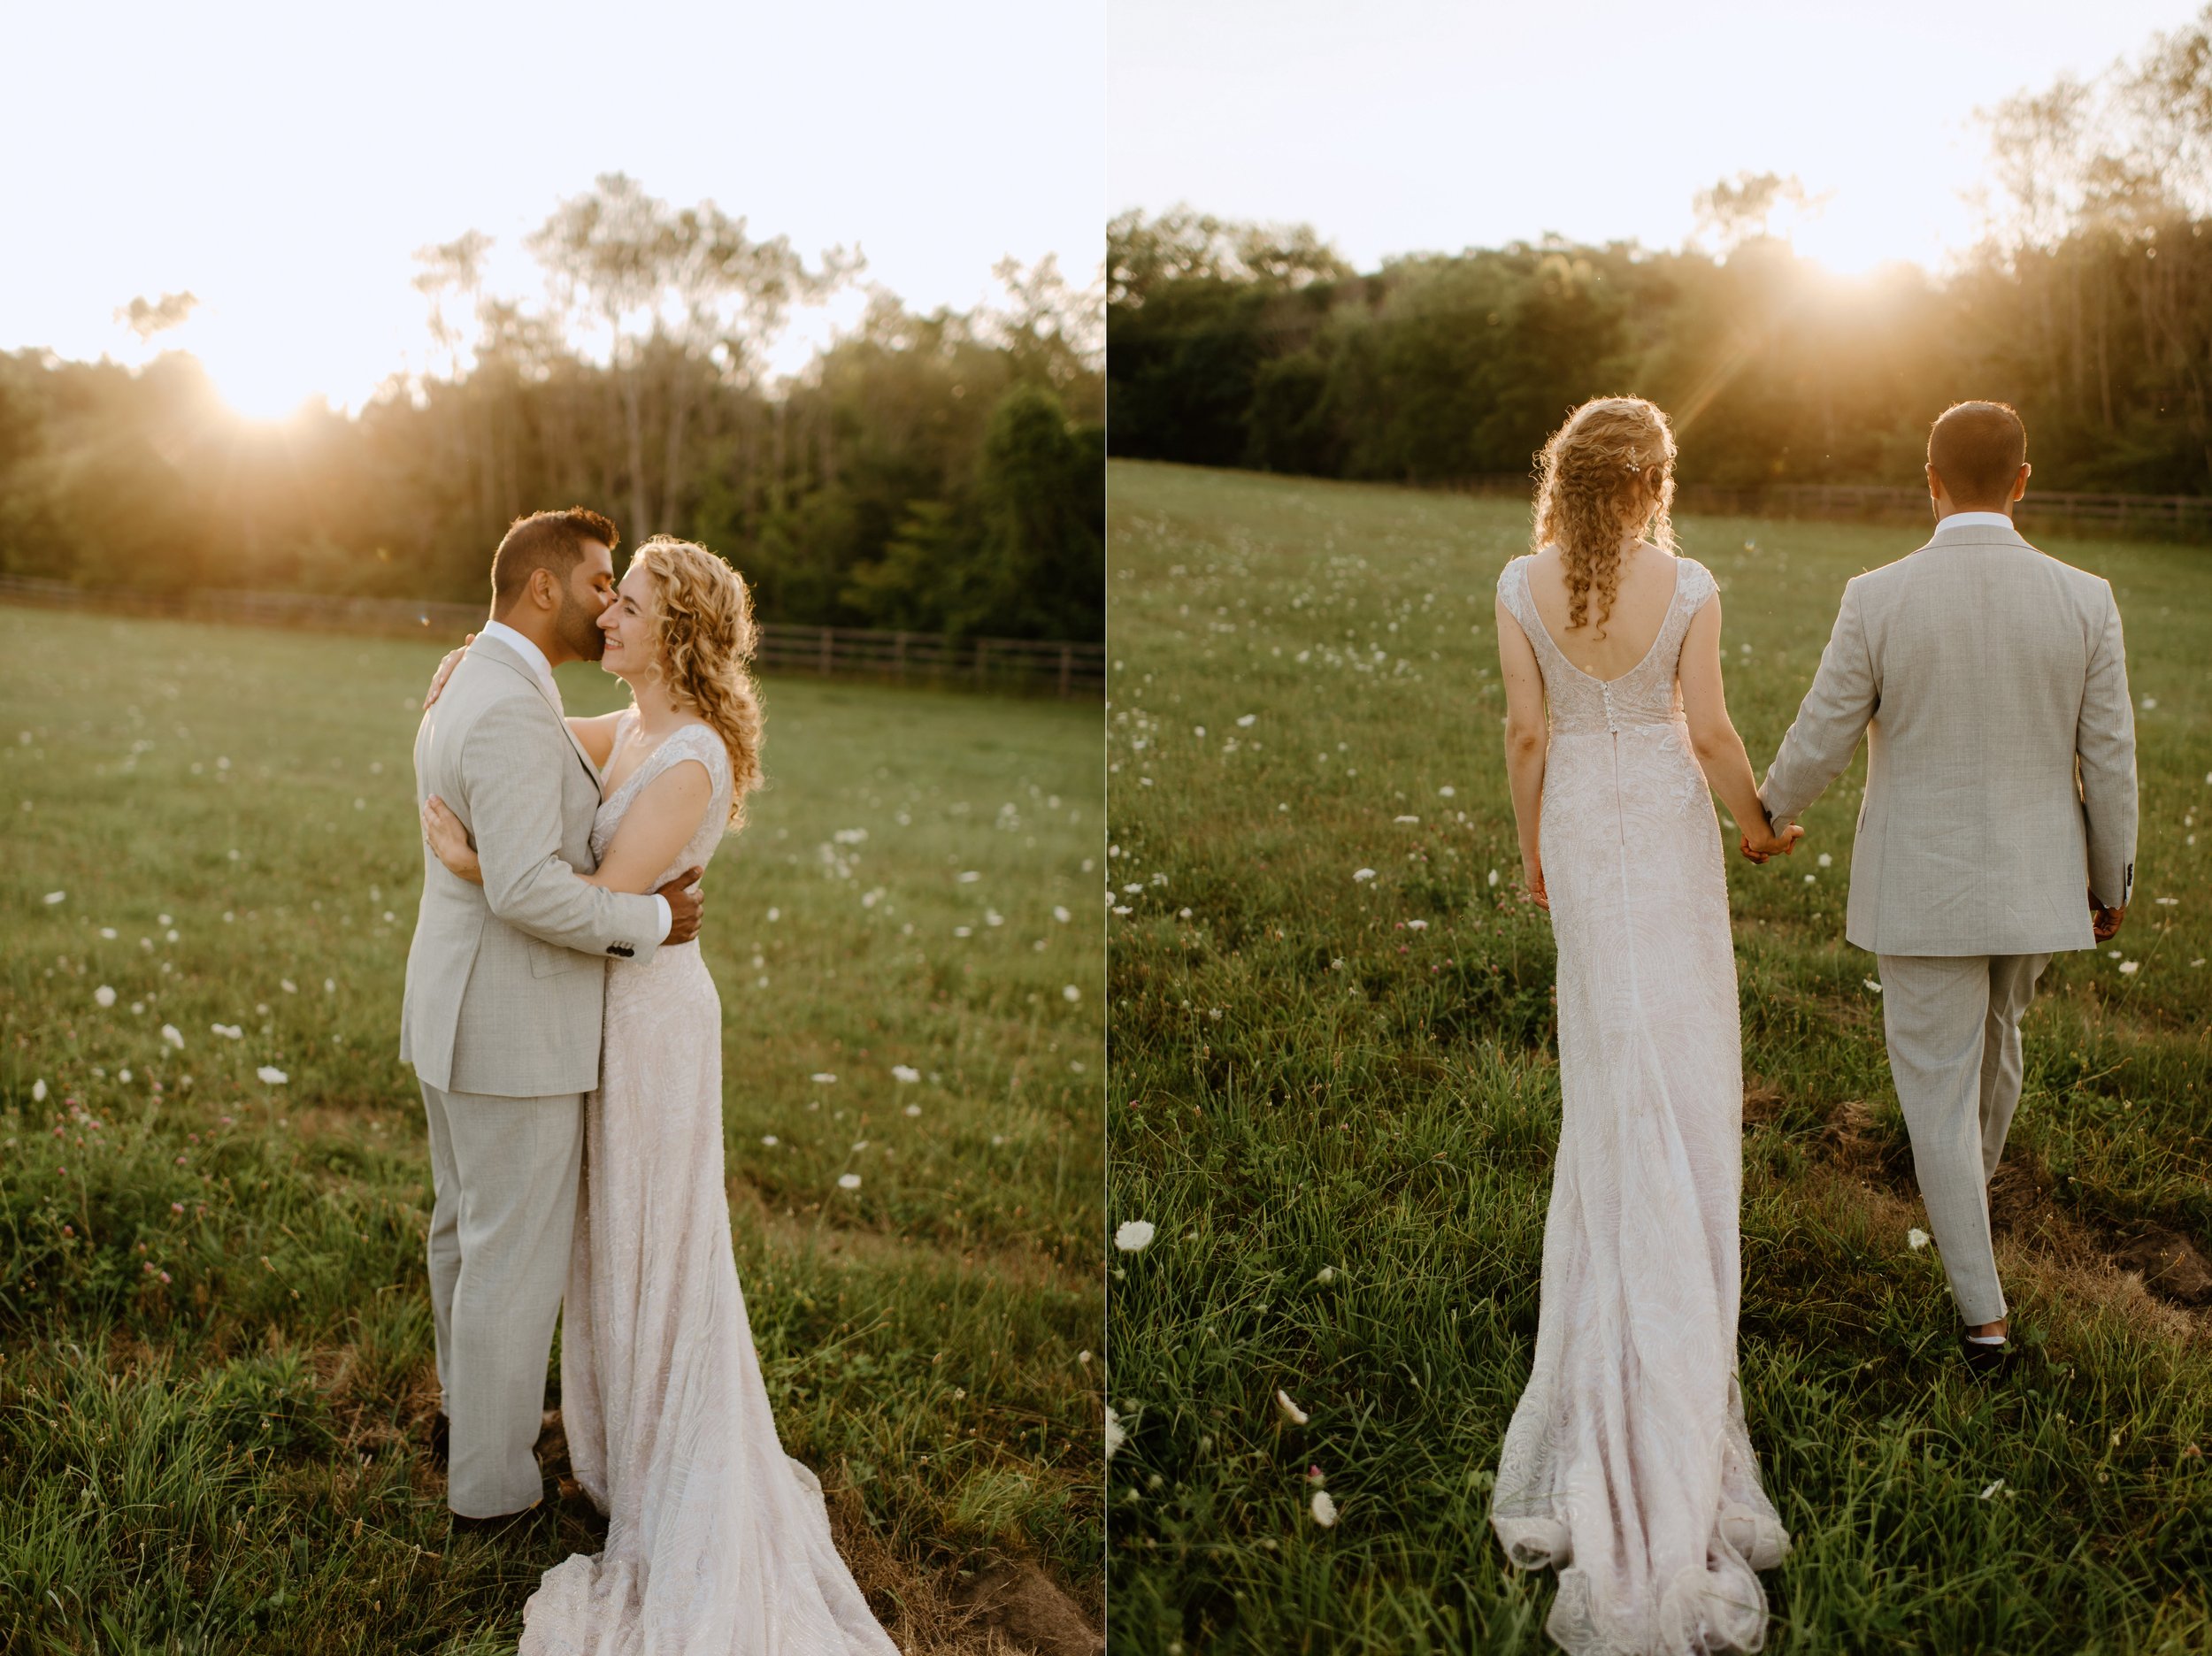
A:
<point x="659" y="822"/>
<point x="1526" y="737"/>
<point x="1720" y="751"/>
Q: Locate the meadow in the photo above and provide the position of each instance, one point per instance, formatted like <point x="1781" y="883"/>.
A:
<point x="1334" y="1095"/>
<point x="215" y="1341"/>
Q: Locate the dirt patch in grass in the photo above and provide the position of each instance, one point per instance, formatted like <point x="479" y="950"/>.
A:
<point x="2155" y="1277"/>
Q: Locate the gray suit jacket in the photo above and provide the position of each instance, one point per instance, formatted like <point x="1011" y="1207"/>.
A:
<point x="1990" y="684"/>
<point x="505" y="979"/>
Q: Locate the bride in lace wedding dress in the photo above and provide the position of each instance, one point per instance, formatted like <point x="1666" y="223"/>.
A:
<point x="1627" y="1467"/>
<point x="717" y="1544"/>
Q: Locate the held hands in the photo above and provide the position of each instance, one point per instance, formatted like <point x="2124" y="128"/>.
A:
<point x="445" y="671"/>
<point x="684" y="901"/>
<point x="1761" y="842"/>
<point x="442" y="832"/>
<point x="2105" y="923"/>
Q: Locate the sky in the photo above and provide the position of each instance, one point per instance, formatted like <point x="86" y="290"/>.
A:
<point x="282" y="162"/>
<point x="1419" y="126"/>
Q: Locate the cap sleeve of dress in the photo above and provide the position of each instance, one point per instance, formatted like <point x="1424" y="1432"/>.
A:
<point x="1697" y="585"/>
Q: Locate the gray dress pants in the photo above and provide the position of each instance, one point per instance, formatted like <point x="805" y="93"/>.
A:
<point x="504" y="1170"/>
<point x="1953" y="1028"/>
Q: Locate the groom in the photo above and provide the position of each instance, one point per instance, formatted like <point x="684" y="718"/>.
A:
<point x="505" y="985"/>
<point x="1999" y="821"/>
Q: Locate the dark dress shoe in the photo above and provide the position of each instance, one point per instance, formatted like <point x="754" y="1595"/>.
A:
<point x="440" y="1437"/>
<point x="1993" y="1363"/>
<point x="490" y="1527"/>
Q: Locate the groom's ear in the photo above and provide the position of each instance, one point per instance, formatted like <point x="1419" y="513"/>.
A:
<point x="543" y="588"/>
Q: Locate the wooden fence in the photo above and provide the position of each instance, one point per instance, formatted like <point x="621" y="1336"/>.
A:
<point x="1025" y="665"/>
<point x="2163" y="517"/>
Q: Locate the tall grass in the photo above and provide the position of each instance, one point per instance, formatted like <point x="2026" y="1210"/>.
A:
<point x="1335" y="1095"/>
<point x="215" y="1348"/>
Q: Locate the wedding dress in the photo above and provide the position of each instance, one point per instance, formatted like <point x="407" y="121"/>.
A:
<point x="1627" y="1467"/>
<point x="717" y="1544"/>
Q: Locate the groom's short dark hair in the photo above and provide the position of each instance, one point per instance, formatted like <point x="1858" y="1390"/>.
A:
<point x="1977" y="449"/>
<point x="548" y="540"/>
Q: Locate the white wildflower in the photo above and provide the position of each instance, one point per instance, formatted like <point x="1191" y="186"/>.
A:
<point x="271" y="1076"/>
<point x="905" y="1072"/>
<point x="174" y="1036"/>
<point x="1290" y="1410"/>
<point x="103" y="996"/>
<point x="1916" y="1238"/>
<point x="848" y="1181"/>
<point x="54" y="897"/>
<point x="1134" y="1235"/>
<point x="1360" y="876"/>
<point x="1324" y="1509"/>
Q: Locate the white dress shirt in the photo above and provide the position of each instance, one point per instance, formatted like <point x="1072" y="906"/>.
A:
<point x="534" y="659"/>
<point x="1977" y="520"/>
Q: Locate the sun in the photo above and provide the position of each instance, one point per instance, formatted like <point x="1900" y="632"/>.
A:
<point x="256" y="375"/>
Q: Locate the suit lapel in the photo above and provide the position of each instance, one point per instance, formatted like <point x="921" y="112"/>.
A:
<point x="492" y="649"/>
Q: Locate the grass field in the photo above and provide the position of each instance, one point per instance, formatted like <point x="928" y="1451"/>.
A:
<point x="215" y="1348"/>
<point x="1335" y="1097"/>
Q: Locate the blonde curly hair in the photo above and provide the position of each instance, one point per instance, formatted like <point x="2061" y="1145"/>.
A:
<point x="1605" y="474"/>
<point x="703" y="636"/>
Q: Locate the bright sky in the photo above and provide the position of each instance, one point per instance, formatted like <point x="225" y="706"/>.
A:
<point x="1405" y="126"/>
<point x="283" y="161"/>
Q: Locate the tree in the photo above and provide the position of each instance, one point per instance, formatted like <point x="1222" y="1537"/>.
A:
<point x="679" y="298"/>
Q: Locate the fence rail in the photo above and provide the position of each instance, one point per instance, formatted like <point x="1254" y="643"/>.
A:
<point x="2171" y="516"/>
<point x="1027" y="665"/>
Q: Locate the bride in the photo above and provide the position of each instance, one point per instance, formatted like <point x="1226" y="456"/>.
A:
<point x="716" y="1541"/>
<point x="1627" y="1467"/>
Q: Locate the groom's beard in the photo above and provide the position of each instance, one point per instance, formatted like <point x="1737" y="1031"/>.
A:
<point x="578" y="627"/>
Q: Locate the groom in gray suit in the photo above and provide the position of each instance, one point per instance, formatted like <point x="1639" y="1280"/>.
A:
<point x="1999" y="821"/>
<point x="504" y="987"/>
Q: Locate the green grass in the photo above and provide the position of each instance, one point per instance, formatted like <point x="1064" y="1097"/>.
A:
<point x="215" y="1344"/>
<point x="1337" y="1101"/>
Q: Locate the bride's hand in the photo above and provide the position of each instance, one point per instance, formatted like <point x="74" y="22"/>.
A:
<point x="445" y="668"/>
<point x="449" y="841"/>
<point x="1532" y="882"/>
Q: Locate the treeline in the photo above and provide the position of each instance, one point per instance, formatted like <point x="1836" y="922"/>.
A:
<point x="938" y="473"/>
<point x="2088" y="306"/>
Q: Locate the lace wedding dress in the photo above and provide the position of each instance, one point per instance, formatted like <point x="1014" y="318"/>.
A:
<point x="1627" y="1467"/>
<point x="717" y="1544"/>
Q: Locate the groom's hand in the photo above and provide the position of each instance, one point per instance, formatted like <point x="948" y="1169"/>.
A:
<point x="682" y="896"/>
<point x="2105" y="923"/>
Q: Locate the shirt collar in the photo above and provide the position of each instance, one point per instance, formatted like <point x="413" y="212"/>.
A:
<point x="1977" y="520"/>
<point x="532" y="656"/>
